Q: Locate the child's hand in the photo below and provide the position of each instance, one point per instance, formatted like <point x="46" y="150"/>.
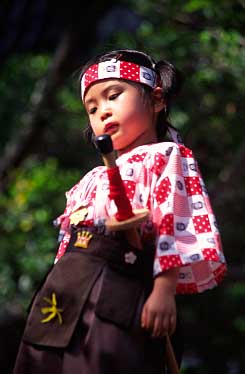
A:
<point x="159" y="312"/>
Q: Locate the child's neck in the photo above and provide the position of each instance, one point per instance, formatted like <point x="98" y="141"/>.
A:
<point x="137" y="143"/>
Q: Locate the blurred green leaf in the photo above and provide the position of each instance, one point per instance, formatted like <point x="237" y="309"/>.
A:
<point x="34" y="199"/>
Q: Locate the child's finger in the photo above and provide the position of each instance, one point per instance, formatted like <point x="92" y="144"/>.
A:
<point x="172" y="325"/>
<point x="165" y="325"/>
<point x="157" y="328"/>
<point x="148" y="318"/>
<point x="143" y="317"/>
<point x="150" y="321"/>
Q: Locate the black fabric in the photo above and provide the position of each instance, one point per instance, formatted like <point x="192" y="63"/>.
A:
<point x="113" y="251"/>
<point x="101" y="295"/>
<point x="97" y="347"/>
<point x="118" y="299"/>
<point x="71" y="279"/>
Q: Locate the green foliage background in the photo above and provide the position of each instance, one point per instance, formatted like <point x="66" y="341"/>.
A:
<point x="204" y="39"/>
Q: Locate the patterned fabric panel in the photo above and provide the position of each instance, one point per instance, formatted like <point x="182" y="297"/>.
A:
<point x="165" y="178"/>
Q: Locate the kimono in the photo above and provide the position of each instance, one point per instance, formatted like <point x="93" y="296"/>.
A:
<point x="85" y="317"/>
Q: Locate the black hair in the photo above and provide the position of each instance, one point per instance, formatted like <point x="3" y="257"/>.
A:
<point x="170" y="77"/>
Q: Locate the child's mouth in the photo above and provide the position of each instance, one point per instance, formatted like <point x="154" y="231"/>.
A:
<point x="110" y="128"/>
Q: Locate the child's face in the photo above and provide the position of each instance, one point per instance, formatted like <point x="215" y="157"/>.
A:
<point x="117" y="108"/>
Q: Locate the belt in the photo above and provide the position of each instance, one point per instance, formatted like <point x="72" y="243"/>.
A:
<point x="114" y="250"/>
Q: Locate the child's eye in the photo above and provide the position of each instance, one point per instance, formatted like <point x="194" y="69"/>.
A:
<point x="113" y="96"/>
<point x="92" y="110"/>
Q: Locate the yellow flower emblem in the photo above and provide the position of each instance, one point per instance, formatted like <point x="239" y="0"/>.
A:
<point x="53" y="310"/>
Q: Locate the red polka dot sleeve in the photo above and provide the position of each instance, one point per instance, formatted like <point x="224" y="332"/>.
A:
<point x="188" y="237"/>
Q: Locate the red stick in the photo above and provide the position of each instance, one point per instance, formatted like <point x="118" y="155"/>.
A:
<point x="119" y="195"/>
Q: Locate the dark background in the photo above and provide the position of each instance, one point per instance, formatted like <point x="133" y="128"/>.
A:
<point x="42" y="45"/>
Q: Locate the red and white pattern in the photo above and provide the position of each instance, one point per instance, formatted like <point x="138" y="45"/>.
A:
<point x="118" y="70"/>
<point x="164" y="177"/>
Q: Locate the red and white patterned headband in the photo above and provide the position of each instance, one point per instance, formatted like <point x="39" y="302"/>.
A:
<point x="118" y="70"/>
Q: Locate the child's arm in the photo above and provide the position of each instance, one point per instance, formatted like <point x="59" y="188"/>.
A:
<point x="159" y="311"/>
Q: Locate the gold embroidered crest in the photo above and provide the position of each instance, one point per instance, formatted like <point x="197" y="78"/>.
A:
<point x="83" y="239"/>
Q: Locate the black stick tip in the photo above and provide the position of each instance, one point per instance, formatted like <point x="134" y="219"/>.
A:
<point x="104" y="144"/>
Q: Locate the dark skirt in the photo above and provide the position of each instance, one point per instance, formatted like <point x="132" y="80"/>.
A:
<point x="104" y="335"/>
<point x="97" y="347"/>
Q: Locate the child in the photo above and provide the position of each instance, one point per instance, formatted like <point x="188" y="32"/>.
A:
<point x="106" y="306"/>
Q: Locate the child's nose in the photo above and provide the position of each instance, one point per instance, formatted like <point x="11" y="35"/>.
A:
<point x="105" y="113"/>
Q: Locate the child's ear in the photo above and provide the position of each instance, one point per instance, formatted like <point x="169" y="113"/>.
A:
<point x="158" y="100"/>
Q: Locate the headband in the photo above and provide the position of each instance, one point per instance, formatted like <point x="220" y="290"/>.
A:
<point x="118" y="70"/>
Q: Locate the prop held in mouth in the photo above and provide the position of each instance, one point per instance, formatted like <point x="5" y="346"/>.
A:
<point x="125" y="218"/>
